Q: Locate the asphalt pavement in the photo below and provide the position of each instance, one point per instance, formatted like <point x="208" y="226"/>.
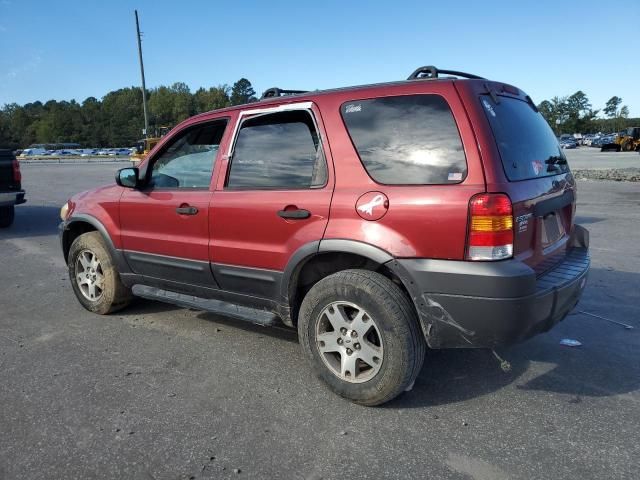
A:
<point x="161" y="392"/>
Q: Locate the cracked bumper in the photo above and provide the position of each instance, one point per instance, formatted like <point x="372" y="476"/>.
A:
<point x="469" y="304"/>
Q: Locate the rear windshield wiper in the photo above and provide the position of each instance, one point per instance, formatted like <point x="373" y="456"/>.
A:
<point x="555" y="160"/>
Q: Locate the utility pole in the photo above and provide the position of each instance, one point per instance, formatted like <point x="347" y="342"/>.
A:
<point x="144" y="88"/>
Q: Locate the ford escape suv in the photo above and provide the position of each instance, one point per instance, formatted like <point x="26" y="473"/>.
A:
<point x="378" y="220"/>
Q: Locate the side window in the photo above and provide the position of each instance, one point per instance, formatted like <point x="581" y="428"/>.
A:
<point x="411" y="139"/>
<point x="188" y="161"/>
<point x="278" y="151"/>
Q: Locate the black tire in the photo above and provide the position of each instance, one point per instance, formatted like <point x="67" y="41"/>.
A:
<point x="7" y="214"/>
<point x="393" y="316"/>
<point x="114" y="294"/>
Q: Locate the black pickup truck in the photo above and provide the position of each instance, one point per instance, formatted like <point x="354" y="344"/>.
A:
<point x="11" y="193"/>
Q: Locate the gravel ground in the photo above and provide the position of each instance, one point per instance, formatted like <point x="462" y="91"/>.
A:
<point x="587" y="158"/>
<point x="159" y="392"/>
<point x="615" y="174"/>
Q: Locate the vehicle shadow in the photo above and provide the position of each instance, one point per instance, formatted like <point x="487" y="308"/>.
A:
<point x="142" y="306"/>
<point x="586" y="220"/>
<point x="281" y="332"/>
<point x="33" y="221"/>
<point x="605" y="365"/>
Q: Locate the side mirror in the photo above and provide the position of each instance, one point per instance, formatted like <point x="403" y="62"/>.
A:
<point x="127" y="177"/>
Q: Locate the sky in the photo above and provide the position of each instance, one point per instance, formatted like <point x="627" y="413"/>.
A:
<point x="66" y="49"/>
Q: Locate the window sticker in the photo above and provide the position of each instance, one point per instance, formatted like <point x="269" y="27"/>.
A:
<point x="489" y="108"/>
<point x="353" y="108"/>
<point x="537" y="167"/>
<point x="454" y="176"/>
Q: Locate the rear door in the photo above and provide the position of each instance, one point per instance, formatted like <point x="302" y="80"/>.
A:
<point x="274" y="198"/>
<point x="535" y="175"/>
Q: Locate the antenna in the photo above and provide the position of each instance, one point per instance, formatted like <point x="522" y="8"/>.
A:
<point x="144" y="88"/>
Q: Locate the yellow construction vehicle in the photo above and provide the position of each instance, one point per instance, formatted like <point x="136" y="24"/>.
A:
<point x="629" y="140"/>
<point x="145" y="145"/>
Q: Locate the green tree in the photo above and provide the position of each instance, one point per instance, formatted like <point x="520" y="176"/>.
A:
<point x="242" y="92"/>
<point x="93" y="123"/>
<point x="611" y="107"/>
<point x="182" y="102"/>
<point x="161" y="106"/>
<point x="624" y="112"/>
<point x="546" y="110"/>
<point x="212" y="99"/>
<point x="123" y="116"/>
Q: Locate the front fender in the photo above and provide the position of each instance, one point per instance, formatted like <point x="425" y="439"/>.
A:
<point x="72" y="225"/>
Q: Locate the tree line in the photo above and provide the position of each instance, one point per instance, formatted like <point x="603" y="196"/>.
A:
<point x="575" y="114"/>
<point x="115" y="120"/>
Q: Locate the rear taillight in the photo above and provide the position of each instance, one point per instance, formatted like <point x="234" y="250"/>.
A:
<point x="17" y="176"/>
<point x="490" y="227"/>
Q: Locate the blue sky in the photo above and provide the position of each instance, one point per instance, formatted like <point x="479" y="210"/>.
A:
<point x="66" y="49"/>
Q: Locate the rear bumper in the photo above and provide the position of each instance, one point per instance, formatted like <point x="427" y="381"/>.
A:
<point x="473" y="304"/>
<point x="11" y="198"/>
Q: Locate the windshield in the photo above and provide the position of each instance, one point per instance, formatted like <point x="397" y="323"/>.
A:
<point x="528" y="148"/>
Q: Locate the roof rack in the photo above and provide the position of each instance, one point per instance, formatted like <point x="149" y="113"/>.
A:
<point x="432" y="72"/>
<point x="279" y="92"/>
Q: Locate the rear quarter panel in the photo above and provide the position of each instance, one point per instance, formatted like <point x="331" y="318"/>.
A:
<point x="426" y="221"/>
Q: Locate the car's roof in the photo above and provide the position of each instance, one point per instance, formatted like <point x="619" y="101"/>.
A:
<point x="308" y="96"/>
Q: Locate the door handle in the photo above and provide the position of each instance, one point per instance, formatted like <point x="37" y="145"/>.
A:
<point x="186" y="210"/>
<point x="295" y="214"/>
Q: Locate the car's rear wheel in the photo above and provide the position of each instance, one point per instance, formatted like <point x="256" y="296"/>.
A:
<point x="94" y="277"/>
<point x="7" y="214"/>
<point x="361" y="334"/>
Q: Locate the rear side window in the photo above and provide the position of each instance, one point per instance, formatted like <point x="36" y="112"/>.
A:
<point x="407" y="140"/>
<point x="528" y="148"/>
<point x="278" y="151"/>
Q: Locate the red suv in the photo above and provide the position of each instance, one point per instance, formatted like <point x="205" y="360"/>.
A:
<point x="378" y="220"/>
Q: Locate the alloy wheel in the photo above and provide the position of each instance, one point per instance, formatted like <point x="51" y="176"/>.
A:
<point x="89" y="275"/>
<point x="349" y="342"/>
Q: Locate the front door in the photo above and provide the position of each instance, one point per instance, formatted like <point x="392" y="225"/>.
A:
<point x="274" y="198"/>
<point x="165" y="223"/>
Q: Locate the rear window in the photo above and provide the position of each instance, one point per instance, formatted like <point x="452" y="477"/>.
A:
<point x="528" y="148"/>
<point x="407" y="140"/>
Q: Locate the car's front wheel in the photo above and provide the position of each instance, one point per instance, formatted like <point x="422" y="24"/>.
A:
<point x="7" y="215"/>
<point x="94" y="277"/>
<point x="361" y="334"/>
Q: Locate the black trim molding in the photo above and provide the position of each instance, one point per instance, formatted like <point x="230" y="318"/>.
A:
<point x="249" y="281"/>
<point x="171" y="268"/>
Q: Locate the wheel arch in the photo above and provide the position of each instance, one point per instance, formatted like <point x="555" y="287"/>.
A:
<point x="316" y="260"/>
<point x="83" y="223"/>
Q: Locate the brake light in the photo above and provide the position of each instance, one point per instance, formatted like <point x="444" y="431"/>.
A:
<point x="490" y="227"/>
<point x="17" y="176"/>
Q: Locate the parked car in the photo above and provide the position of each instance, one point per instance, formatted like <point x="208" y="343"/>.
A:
<point x="11" y="192"/>
<point x="568" y="143"/>
<point x="608" y="143"/>
<point x="377" y="220"/>
<point x="588" y="139"/>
